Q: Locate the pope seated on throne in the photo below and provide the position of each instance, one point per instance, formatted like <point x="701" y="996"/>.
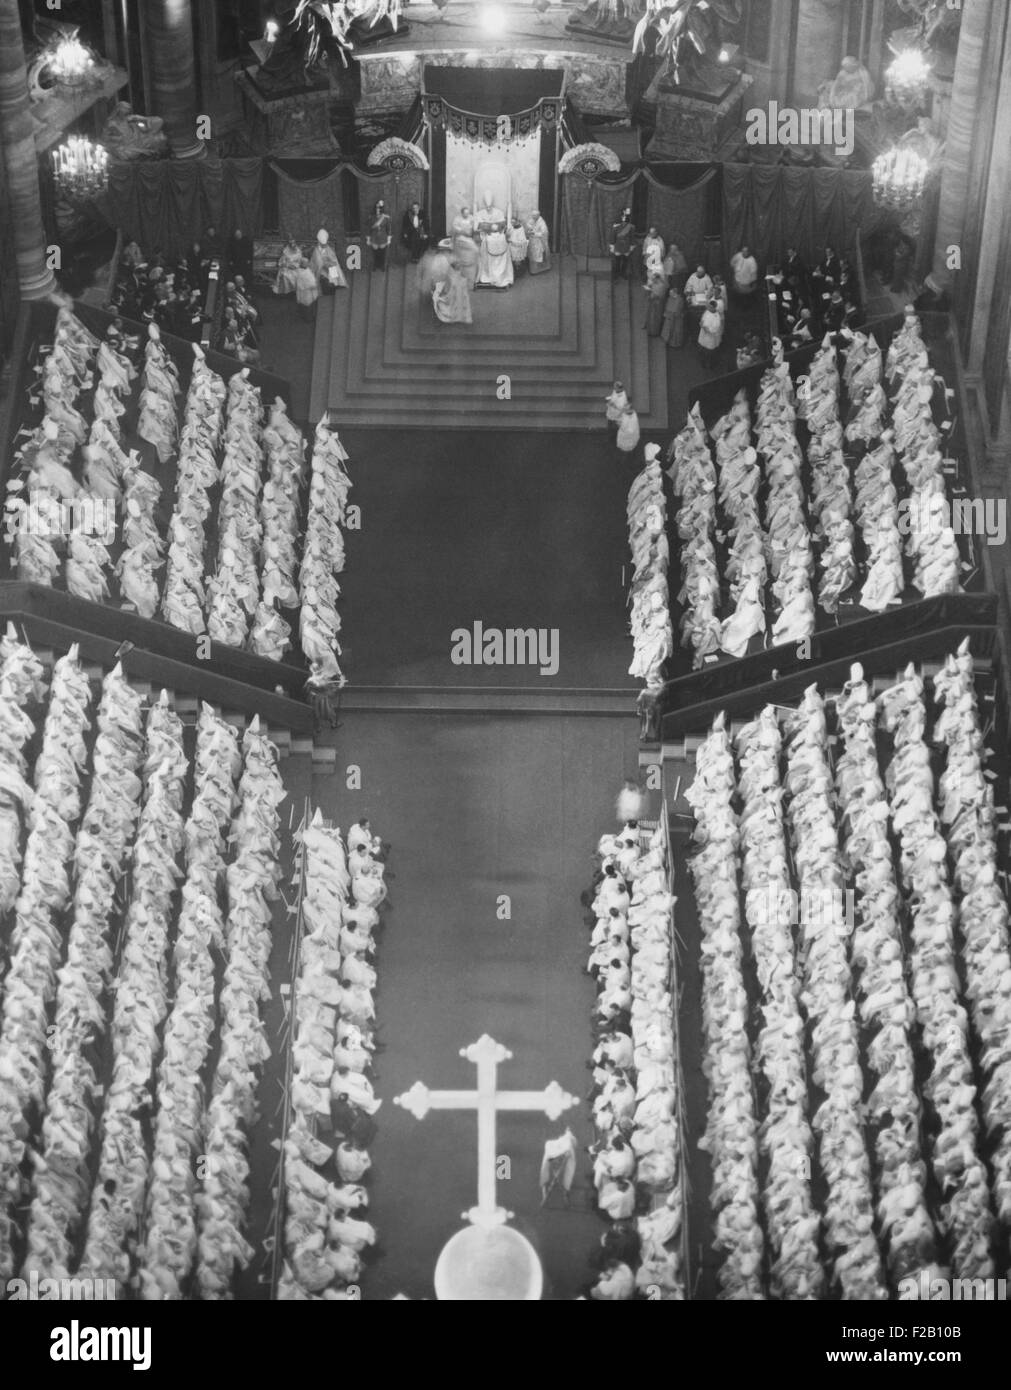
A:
<point x="495" y="264"/>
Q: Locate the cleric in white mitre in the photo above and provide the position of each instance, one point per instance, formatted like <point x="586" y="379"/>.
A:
<point x="495" y="264"/>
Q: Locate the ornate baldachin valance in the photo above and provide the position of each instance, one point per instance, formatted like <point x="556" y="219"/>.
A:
<point x="491" y="130"/>
<point x="397" y="154"/>
<point x="589" y="160"/>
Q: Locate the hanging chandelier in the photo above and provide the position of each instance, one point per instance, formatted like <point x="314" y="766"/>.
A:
<point x="906" y="78"/>
<point x="80" y="169"/>
<point x="900" y="176"/>
<point x="71" y="64"/>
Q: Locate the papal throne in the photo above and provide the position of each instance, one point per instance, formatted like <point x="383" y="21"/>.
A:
<point x="492" y="176"/>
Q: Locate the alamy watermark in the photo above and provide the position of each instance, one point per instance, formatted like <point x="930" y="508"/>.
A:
<point x="817" y="908"/>
<point x="511" y="646"/>
<point x="77" y="1343"/>
<point x="932" y="513"/>
<point x="793" y="126"/>
<point x="42" y="1289"/>
<point x="927" y="1286"/>
<point x="56" y="517"/>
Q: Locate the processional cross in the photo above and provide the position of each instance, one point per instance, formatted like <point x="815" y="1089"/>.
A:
<point x="487" y="1100"/>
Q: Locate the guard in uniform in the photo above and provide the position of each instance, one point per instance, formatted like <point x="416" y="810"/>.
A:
<point x="620" y="247"/>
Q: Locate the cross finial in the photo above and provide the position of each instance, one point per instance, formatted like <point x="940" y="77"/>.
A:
<point x="486" y="1049"/>
<point x="487" y="1100"/>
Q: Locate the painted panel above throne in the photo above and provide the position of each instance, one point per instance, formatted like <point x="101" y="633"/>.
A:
<point x="391" y="69"/>
<point x="596" y="82"/>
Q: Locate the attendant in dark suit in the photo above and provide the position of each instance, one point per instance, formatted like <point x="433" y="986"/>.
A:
<point x="831" y="266"/>
<point x="212" y="244"/>
<point x="240" y="255"/>
<point x="414" y="232"/>
<point x="794" y="270"/>
<point x="824" y="279"/>
<point x="197" y="264"/>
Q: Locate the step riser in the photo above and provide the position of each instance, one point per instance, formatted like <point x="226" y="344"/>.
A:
<point x="549" y="391"/>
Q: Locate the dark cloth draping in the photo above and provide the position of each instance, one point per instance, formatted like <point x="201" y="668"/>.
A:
<point x="589" y="210"/>
<point x="342" y="197"/>
<point x="242" y="195"/>
<point x="772" y="207"/>
<point x="165" y="205"/>
<point x="492" y="91"/>
<point x="681" y="215"/>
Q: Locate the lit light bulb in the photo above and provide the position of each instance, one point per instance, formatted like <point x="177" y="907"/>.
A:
<point x="71" y="61"/>
<point x="907" y="77"/>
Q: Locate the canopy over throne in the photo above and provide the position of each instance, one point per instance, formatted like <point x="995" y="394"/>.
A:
<point x="495" y="131"/>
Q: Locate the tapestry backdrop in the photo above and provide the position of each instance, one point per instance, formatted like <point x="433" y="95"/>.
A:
<point x="307" y="202"/>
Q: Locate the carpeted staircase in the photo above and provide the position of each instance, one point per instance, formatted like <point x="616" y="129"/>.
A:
<point x="381" y="357"/>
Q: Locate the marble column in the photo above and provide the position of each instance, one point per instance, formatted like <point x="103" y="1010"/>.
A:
<point x="21" y="162"/>
<point x="966" y="94"/>
<point x="985" y="314"/>
<point x="171" y="73"/>
<point x="110" y="38"/>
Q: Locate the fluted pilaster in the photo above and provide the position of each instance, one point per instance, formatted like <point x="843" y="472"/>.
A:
<point x="17" y="137"/>
<point x="962" y="119"/>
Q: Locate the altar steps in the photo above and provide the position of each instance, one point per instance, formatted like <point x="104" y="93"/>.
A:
<point x="381" y="358"/>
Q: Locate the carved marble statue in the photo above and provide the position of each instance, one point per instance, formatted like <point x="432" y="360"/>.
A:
<point x="127" y="136"/>
<point x="852" y="88"/>
<point x="612" y="19"/>
<point x="923" y="138"/>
